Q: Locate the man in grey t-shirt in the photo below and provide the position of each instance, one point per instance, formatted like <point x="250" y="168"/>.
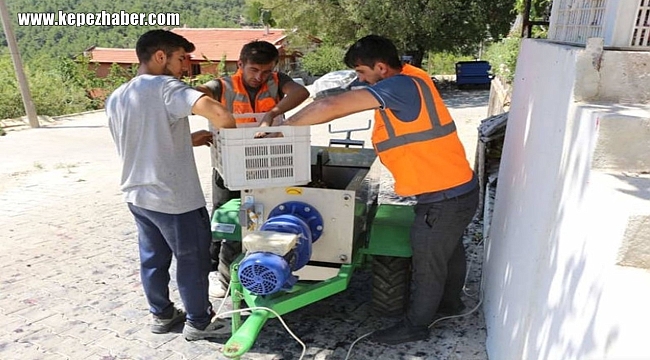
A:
<point x="148" y="119"/>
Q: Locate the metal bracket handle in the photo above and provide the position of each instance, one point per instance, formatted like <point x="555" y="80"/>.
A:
<point x="347" y="141"/>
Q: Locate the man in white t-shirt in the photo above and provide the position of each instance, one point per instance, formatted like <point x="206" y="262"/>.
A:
<point x="148" y="119"/>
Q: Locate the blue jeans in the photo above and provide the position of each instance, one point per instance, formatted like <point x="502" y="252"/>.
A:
<point x="187" y="237"/>
<point x="438" y="262"/>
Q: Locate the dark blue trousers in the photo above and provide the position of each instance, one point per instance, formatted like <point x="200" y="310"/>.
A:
<point x="187" y="237"/>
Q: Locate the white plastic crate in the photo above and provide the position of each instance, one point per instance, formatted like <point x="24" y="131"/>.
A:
<point x="246" y="162"/>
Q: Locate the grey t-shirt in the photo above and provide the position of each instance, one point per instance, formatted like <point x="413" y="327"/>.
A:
<point x="148" y="120"/>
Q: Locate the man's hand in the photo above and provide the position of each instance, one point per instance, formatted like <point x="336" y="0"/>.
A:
<point x="212" y="110"/>
<point x="202" y="137"/>
<point x="267" y="121"/>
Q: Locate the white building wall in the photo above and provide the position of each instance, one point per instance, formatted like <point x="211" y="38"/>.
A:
<point x="554" y="286"/>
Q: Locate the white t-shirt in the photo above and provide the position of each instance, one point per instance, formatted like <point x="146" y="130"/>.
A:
<point x="148" y="120"/>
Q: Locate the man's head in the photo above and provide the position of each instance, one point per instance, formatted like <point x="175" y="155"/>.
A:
<point x="163" y="52"/>
<point x="257" y="60"/>
<point x="374" y="58"/>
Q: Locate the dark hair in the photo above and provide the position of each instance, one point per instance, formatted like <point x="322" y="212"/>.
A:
<point x="164" y="40"/>
<point x="372" y="49"/>
<point x="259" y="52"/>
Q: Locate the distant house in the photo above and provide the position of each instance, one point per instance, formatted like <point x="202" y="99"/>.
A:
<point x="212" y="45"/>
<point x="103" y="58"/>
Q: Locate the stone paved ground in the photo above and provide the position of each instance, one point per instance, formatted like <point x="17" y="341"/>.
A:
<point x="69" y="280"/>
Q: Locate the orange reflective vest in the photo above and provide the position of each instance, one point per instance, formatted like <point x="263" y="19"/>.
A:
<point x="424" y="155"/>
<point x="236" y="99"/>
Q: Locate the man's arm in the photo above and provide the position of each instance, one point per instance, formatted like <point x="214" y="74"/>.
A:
<point x="295" y="94"/>
<point x="334" y="107"/>
<point x="212" y="88"/>
<point x="204" y="89"/>
<point x="212" y="110"/>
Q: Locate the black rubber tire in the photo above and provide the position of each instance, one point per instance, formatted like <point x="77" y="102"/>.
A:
<point x="391" y="279"/>
<point x="229" y="252"/>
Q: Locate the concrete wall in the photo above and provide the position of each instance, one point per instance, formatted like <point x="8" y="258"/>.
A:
<point x="568" y="211"/>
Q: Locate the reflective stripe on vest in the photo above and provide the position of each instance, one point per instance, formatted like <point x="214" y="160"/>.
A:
<point x="437" y="130"/>
<point x="229" y="96"/>
<point x="234" y="92"/>
<point x="424" y="155"/>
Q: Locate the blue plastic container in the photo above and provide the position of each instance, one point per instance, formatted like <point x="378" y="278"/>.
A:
<point x="473" y="73"/>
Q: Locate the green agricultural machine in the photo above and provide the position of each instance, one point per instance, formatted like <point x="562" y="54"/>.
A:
<point x="285" y="247"/>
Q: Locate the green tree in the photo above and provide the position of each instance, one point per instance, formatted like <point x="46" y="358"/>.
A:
<point x="416" y="26"/>
<point x="257" y="13"/>
<point x="503" y="54"/>
<point x="79" y="71"/>
<point x="539" y="10"/>
<point x="46" y="82"/>
<point x="117" y="75"/>
<point x="323" y="60"/>
<point x="48" y="98"/>
<point x="10" y="100"/>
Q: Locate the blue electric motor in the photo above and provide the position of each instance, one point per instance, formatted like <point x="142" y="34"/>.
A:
<point x="265" y="273"/>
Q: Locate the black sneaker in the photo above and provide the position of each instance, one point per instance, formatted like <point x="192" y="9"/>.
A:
<point x="217" y="328"/>
<point x="163" y="326"/>
<point x="400" y="333"/>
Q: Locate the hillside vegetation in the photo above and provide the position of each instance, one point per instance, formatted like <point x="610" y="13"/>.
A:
<point x="434" y="34"/>
<point x="51" y="54"/>
<point x="69" y="41"/>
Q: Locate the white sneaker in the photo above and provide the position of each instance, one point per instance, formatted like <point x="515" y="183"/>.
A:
<point x="215" y="291"/>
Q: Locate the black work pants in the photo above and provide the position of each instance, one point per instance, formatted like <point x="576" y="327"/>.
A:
<point x="220" y="194"/>
<point x="438" y="263"/>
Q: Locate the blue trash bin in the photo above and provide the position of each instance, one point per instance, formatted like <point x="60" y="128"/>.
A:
<point x="473" y="73"/>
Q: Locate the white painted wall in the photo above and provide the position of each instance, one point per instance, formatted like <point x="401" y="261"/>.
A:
<point x="553" y="289"/>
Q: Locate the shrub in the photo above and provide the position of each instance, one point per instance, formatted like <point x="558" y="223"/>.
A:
<point x="443" y="63"/>
<point x="11" y="105"/>
<point x="503" y="57"/>
<point x="198" y="79"/>
<point x="52" y="94"/>
<point x="323" y="60"/>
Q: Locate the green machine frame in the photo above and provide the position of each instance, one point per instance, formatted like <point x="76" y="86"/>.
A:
<point x="388" y="236"/>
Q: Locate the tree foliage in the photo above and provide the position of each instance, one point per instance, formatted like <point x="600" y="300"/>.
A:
<point x="61" y="80"/>
<point x="46" y="82"/>
<point x="502" y="56"/>
<point x="323" y="60"/>
<point x="539" y="9"/>
<point x="257" y="13"/>
<point x="416" y="26"/>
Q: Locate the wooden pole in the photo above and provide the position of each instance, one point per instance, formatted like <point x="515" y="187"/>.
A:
<point x="30" y="110"/>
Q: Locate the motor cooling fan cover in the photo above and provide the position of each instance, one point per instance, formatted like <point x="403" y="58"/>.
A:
<point x="263" y="273"/>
